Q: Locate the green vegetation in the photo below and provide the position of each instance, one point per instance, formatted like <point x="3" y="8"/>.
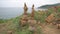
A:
<point x="13" y="23"/>
<point x="3" y="20"/>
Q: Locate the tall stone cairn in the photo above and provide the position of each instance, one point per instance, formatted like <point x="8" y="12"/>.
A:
<point x="25" y="9"/>
<point x="25" y="12"/>
<point x="24" y="17"/>
<point x="32" y="14"/>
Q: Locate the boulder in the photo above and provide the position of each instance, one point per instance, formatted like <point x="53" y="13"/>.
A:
<point x="50" y="18"/>
<point x="9" y="32"/>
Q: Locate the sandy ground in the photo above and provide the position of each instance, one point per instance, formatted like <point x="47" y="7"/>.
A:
<point x="46" y="29"/>
<point x="50" y="29"/>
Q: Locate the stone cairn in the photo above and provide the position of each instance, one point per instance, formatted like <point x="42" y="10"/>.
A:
<point x="24" y="18"/>
<point x="25" y="9"/>
<point x="32" y="14"/>
<point x="31" y="19"/>
<point x="32" y="22"/>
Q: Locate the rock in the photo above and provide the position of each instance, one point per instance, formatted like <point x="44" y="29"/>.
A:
<point x="39" y="23"/>
<point x="32" y="22"/>
<point x="32" y="28"/>
<point x="25" y="17"/>
<point x="58" y="25"/>
<point x="9" y="32"/>
<point x="23" y="22"/>
<point x="50" y="18"/>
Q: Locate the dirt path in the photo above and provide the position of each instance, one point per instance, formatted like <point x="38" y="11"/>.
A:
<point x="46" y="29"/>
<point x="50" y="29"/>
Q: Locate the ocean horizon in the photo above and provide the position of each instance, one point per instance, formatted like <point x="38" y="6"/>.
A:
<point x="11" y="12"/>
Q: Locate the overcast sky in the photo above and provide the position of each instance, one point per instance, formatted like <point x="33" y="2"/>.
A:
<point x="20" y="3"/>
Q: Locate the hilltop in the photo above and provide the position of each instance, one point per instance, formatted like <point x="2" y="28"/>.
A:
<point x="49" y="5"/>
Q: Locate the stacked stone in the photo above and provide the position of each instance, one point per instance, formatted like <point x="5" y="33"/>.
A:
<point x="25" y="12"/>
<point x="25" y="9"/>
<point x="32" y="22"/>
<point x="25" y="17"/>
<point x="31" y="19"/>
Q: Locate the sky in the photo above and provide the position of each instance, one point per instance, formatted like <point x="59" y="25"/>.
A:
<point x="20" y="3"/>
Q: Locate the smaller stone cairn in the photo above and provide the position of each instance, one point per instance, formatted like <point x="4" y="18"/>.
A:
<point x="31" y="19"/>
<point x="32" y="22"/>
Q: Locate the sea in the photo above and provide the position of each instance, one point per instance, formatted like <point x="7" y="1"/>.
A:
<point x="12" y="12"/>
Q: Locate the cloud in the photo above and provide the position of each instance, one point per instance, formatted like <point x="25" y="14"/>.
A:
<point x="20" y="3"/>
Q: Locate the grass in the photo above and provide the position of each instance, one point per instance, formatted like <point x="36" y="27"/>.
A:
<point x="39" y="16"/>
<point x="3" y="20"/>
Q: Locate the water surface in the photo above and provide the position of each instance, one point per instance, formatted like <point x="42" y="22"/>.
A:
<point x="11" y="12"/>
